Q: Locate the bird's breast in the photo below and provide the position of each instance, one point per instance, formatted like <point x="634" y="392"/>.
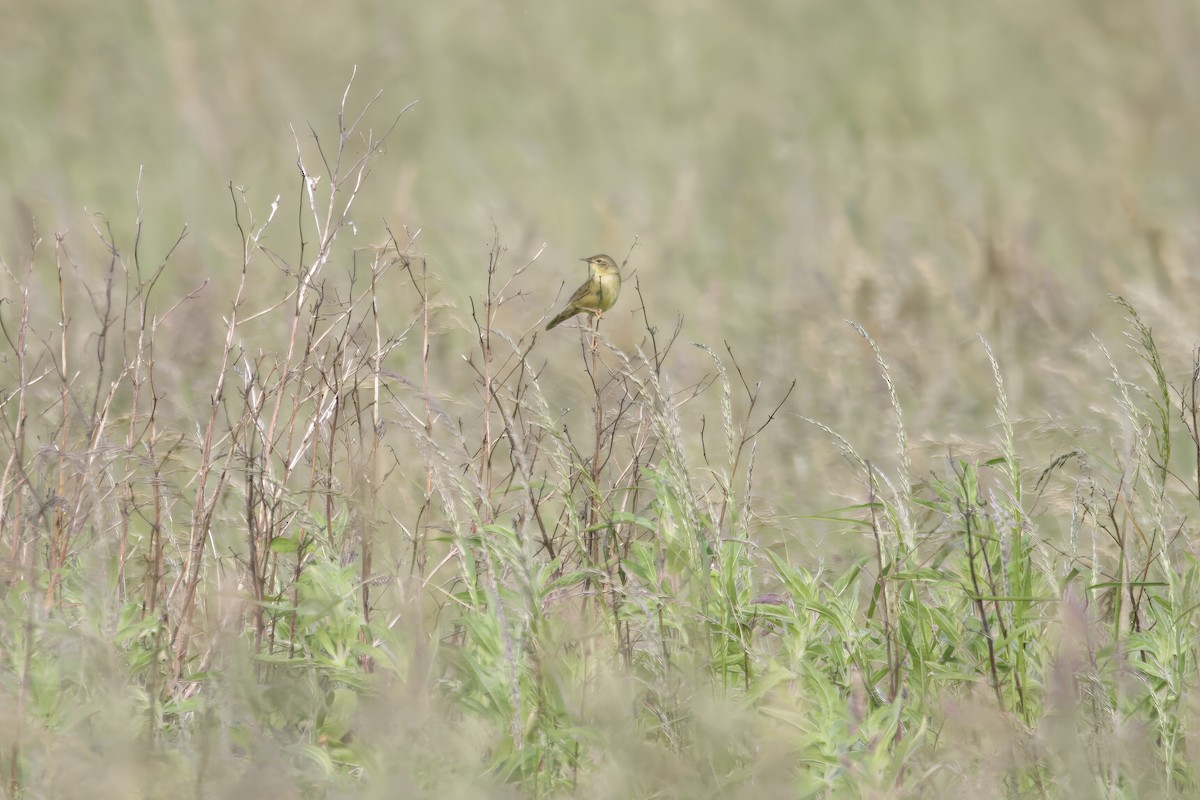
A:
<point x="610" y="287"/>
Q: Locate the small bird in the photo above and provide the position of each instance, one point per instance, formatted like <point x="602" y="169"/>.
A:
<point x="598" y="292"/>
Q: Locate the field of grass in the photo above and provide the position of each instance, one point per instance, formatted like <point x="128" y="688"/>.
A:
<point x="297" y="497"/>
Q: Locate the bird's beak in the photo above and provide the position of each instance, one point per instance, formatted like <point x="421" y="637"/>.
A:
<point x="588" y="260"/>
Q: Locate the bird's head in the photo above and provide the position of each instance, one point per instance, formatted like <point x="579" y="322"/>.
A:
<point x="600" y="262"/>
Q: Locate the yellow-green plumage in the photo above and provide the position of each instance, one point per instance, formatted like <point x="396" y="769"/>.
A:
<point x="598" y="292"/>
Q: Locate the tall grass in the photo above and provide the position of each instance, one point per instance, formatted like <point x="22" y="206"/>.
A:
<point x="279" y="564"/>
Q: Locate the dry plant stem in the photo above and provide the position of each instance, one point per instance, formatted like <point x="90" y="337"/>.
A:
<point x="492" y="373"/>
<point x="142" y="380"/>
<point x="13" y="483"/>
<point x="92" y="476"/>
<point x="515" y="440"/>
<point x="642" y="437"/>
<point x="327" y="229"/>
<point x="426" y="390"/>
<point x="281" y="444"/>
<point x="483" y="504"/>
<point x="744" y="437"/>
<point x="427" y="400"/>
<point x="255" y="500"/>
<point x="598" y="414"/>
<point x="204" y="505"/>
<point x="57" y="532"/>
<point x="371" y="467"/>
<point x="420" y="554"/>
<point x="652" y="330"/>
<point x="69" y="514"/>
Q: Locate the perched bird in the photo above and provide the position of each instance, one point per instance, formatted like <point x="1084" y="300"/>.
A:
<point x="598" y="292"/>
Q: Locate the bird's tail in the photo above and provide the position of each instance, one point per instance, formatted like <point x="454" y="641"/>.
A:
<point x="563" y="316"/>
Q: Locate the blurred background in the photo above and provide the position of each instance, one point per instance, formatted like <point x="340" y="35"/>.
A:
<point x="933" y="170"/>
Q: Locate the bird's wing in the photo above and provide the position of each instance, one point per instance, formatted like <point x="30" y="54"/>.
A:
<point x="580" y="293"/>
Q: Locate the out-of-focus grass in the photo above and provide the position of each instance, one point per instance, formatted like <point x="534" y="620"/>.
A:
<point x="931" y="170"/>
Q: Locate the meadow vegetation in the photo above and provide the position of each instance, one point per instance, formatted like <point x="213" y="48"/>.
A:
<point x="297" y="497"/>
